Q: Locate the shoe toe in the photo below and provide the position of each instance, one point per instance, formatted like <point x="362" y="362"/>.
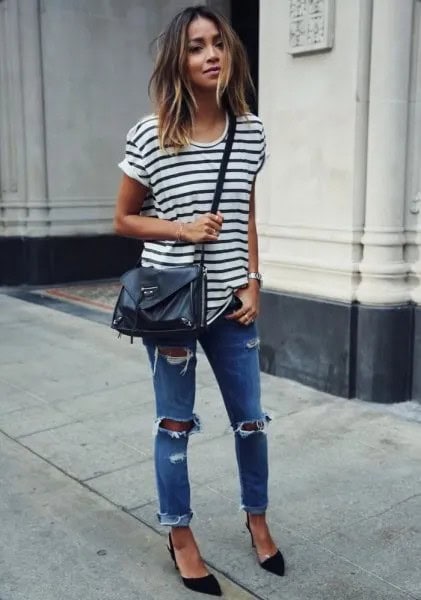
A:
<point x="275" y="564"/>
<point x="205" y="585"/>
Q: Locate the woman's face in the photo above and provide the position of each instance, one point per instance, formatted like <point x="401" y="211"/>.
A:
<point x="205" y="53"/>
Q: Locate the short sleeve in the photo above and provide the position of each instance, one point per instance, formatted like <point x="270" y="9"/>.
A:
<point x="262" y="150"/>
<point x="133" y="163"/>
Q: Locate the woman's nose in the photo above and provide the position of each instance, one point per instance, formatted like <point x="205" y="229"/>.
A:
<point x="211" y="52"/>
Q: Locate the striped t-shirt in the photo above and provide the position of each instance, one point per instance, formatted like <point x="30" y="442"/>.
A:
<point x="181" y="187"/>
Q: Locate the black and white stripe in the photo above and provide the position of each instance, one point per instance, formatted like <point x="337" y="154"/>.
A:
<point x="182" y="187"/>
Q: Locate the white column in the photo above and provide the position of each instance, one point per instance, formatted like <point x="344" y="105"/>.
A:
<point x="413" y="196"/>
<point x="12" y="155"/>
<point x="383" y="268"/>
<point x="33" y="118"/>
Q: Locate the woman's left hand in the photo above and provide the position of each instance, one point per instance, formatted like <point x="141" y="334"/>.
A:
<point x="250" y="298"/>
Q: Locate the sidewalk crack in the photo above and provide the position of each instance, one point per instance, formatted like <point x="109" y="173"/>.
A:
<point x="25" y="435"/>
<point x="116" y="470"/>
<point x="368" y="517"/>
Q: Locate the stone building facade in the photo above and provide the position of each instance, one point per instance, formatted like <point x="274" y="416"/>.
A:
<point x="339" y="199"/>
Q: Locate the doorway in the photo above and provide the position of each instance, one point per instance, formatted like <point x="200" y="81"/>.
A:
<point x="245" y="21"/>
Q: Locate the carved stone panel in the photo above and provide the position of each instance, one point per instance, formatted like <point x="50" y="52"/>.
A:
<point x="311" y="25"/>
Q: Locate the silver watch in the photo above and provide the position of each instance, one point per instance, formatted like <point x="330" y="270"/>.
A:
<point x="257" y="276"/>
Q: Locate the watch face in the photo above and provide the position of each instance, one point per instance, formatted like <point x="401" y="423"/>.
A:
<point x="256" y="276"/>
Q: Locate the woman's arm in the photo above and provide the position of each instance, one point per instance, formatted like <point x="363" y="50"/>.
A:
<point x="253" y="245"/>
<point x="250" y="295"/>
<point x="129" y="223"/>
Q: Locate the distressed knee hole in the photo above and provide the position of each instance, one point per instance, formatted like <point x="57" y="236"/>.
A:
<point x="177" y="428"/>
<point x="247" y="428"/>
<point x="250" y="426"/>
<point x="174" y="356"/>
<point x="174" y="352"/>
<point x="176" y="425"/>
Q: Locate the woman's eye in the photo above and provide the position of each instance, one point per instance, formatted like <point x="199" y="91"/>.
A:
<point x="194" y="49"/>
<point x="219" y="44"/>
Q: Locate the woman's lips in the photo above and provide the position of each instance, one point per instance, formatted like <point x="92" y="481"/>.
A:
<point x="213" y="70"/>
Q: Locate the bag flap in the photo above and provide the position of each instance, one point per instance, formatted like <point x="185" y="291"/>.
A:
<point x="147" y="286"/>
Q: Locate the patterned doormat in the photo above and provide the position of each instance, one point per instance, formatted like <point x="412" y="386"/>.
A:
<point x="97" y="295"/>
<point x="93" y="300"/>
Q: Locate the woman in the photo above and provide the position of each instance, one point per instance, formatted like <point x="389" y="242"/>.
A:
<point x="170" y="170"/>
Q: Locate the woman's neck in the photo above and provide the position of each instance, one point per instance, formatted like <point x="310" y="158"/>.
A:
<point x="209" y="121"/>
<point x="208" y="112"/>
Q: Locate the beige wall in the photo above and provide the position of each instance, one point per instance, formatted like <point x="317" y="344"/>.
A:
<point x="73" y="79"/>
<point x="309" y="210"/>
<point x="413" y="175"/>
<point x="335" y="219"/>
<point x="340" y="186"/>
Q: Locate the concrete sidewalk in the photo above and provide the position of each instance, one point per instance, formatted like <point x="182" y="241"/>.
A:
<point x="77" y="497"/>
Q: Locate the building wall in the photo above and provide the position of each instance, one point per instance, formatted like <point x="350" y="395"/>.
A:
<point x="413" y="172"/>
<point x="413" y="197"/>
<point x="73" y="79"/>
<point x="313" y="210"/>
<point x="339" y="201"/>
<point x="310" y="211"/>
<point x="85" y="68"/>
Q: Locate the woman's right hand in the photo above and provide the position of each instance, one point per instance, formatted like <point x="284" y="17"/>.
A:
<point x="204" y="229"/>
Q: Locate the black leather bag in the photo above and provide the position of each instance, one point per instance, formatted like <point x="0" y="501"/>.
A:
<point x="161" y="302"/>
<point x="168" y="302"/>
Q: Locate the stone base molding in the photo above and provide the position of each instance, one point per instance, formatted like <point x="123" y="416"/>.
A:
<point x="46" y="260"/>
<point x="308" y="260"/>
<point x="72" y="216"/>
<point x="347" y="349"/>
<point x="416" y="373"/>
<point x="413" y="257"/>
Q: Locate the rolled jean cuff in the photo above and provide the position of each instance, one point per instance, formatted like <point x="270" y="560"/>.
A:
<point x="175" y="520"/>
<point x="254" y="510"/>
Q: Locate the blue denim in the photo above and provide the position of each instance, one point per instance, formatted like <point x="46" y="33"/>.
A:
<point x="233" y="353"/>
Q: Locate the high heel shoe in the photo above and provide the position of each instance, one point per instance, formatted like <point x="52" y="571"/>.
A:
<point x="275" y="563"/>
<point x="204" y="585"/>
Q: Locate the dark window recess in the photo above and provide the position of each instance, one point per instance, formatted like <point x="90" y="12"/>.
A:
<point x="245" y="21"/>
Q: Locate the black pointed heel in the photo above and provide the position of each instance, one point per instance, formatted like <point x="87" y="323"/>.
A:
<point x="274" y="564"/>
<point x="204" y="585"/>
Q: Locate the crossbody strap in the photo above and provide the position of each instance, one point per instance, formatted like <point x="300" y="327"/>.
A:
<point x="224" y="163"/>
<point x="221" y="175"/>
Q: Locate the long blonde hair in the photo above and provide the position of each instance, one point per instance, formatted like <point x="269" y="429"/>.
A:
<point x="170" y="88"/>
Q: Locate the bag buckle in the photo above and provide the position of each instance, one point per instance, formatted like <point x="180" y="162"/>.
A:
<point x="149" y="291"/>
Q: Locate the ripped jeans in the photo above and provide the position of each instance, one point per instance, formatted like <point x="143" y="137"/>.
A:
<point x="233" y="353"/>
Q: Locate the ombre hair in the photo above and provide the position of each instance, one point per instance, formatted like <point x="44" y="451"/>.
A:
<point x="170" y="88"/>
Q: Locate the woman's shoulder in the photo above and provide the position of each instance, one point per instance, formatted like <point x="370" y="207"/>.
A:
<point x="144" y="131"/>
<point x="250" y="122"/>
